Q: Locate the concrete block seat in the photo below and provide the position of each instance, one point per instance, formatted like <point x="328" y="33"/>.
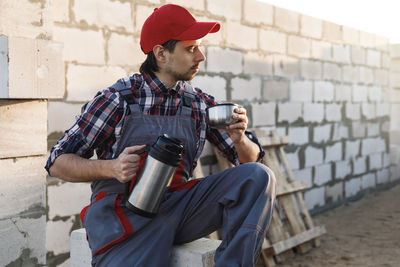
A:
<point x="199" y="253"/>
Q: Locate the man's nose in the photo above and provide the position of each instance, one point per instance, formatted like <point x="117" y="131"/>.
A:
<point x="200" y="56"/>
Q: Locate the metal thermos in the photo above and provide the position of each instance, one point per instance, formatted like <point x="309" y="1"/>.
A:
<point x="155" y="176"/>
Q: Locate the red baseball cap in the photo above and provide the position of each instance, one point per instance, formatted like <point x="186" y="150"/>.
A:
<point x="172" y="22"/>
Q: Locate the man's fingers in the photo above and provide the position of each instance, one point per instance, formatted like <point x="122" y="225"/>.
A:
<point x="240" y="110"/>
<point x="239" y="125"/>
<point x="132" y="149"/>
<point x="130" y="158"/>
<point x="240" y="117"/>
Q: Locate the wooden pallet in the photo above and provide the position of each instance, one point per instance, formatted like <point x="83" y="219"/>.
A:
<point x="291" y="230"/>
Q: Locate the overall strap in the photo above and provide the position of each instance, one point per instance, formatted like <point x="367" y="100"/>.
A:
<point x="187" y="99"/>
<point x="123" y="86"/>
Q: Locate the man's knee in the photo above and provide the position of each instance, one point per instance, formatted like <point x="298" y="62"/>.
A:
<point x="261" y="173"/>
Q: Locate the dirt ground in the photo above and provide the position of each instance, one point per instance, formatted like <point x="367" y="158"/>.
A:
<point x="361" y="233"/>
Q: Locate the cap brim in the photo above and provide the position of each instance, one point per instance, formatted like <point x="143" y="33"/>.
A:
<point x="198" y="30"/>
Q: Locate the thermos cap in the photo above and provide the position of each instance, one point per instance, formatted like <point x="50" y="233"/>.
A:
<point x="167" y="150"/>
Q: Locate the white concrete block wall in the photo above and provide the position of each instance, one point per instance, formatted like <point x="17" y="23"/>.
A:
<point x="333" y="89"/>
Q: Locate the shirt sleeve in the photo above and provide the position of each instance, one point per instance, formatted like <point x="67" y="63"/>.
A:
<point x="93" y="126"/>
<point x="221" y="140"/>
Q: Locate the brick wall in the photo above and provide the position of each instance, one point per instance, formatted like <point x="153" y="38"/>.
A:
<point x="332" y="89"/>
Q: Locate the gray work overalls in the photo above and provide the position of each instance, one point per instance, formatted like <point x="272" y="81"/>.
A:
<point x="238" y="200"/>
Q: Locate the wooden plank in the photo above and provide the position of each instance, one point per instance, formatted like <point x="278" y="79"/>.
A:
<point x="277" y="232"/>
<point x="198" y="171"/>
<point x="214" y="235"/>
<point x="282" y="203"/>
<point x="23" y="128"/>
<point x="223" y="163"/>
<point x="296" y="186"/>
<point x="295" y="222"/>
<point x="299" y="197"/>
<point x="268" y="261"/>
<point x="297" y="240"/>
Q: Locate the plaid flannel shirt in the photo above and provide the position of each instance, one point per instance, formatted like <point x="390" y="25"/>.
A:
<point x="98" y="127"/>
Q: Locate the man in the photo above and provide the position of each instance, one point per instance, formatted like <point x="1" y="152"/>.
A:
<point x="132" y="113"/>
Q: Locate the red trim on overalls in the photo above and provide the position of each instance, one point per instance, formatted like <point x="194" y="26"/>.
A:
<point x="176" y="184"/>
<point x="99" y="196"/>
<point x="126" y="225"/>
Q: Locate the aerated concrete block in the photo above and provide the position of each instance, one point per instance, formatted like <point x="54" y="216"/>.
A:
<point x="224" y="60"/>
<point x="199" y="253"/>
<point x="247" y="39"/>
<point x="333" y="152"/>
<point x="323" y="174"/>
<point x="23" y="128"/>
<point x="257" y="12"/>
<point x="301" y="91"/>
<point x="313" y="112"/>
<point x="315" y="197"/>
<point x="352" y="187"/>
<point x="213" y="85"/>
<point x="22" y="186"/>
<point x="67" y="199"/>
<point x="313" y="156"/>
<point x="98" y="12"/>
<point x="231" y="10"/>
<point x="334" y="192"/>
<point x="322" y="133"/>
<point x="22" y="240"/>
<point x="286" y="20"/>
<point x="311" y="27"/>
<point x="30" y="68"/>
<point x="342" y="169"/>
<point x="289" y="112"/>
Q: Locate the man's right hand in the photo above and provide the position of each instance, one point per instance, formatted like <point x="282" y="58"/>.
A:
<point x="127" y="163"/>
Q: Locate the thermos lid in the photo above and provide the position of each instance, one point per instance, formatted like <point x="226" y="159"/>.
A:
<point x="167" y="150"/>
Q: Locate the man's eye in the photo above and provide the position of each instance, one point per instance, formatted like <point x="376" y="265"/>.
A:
<point x="191" y="49"/>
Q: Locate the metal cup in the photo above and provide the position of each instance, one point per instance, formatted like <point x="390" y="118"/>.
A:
<point x="220" y="116"/>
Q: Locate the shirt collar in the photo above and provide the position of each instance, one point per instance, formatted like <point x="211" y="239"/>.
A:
<point x="158" y="85"/>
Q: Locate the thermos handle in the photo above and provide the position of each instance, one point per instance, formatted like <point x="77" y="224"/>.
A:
<point x="138" y="152"/>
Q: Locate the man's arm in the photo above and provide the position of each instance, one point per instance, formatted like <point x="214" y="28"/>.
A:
<point x="73" y="168"/>
<point x="247" y="150"/>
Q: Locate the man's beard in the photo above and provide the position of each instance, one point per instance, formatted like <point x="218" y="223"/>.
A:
<point x="187" y="76"/>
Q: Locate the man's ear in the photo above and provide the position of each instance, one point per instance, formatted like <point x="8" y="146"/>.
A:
<point x="159" y="53"/>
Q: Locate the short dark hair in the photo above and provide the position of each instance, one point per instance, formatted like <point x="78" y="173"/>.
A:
<point x="150" y="64"/>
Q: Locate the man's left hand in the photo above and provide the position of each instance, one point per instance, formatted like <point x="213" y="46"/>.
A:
<point x="236" y="130"/>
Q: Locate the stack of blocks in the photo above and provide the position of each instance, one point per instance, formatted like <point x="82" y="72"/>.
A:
<point x="31" y="71"/>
